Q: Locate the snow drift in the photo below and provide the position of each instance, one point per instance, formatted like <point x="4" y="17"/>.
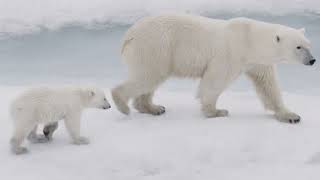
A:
<point x="20" y="17"/>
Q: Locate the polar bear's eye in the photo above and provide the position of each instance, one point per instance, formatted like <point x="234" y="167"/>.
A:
<point x="104" y="99"/>
<point x="298" y="47"/>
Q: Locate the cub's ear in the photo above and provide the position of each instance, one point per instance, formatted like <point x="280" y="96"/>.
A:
<point x="277" y="38"/>
<point x="91" y="93"/>
<point x="88" y="93"/>
<point x="302" y="30"/>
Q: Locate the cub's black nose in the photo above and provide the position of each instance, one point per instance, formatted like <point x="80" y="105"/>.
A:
<point x="312" y="61"/>
<point x="106" y="107"/>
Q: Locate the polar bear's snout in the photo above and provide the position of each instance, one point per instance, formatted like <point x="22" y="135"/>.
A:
<point x="308" y="58"/>
<point x="311" y="62"/>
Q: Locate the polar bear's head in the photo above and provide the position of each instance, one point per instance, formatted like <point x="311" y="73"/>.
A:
<point x="96" y="98"/>
<point x="293" y="47"/>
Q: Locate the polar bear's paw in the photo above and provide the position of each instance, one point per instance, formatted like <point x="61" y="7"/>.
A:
<point x="19" y="150"/>
<point x="217" y="113"/>
<point x="149" y="109"/>
<point x="157" y="110"/>
<point x="288" y="117"/>
<point x="81" y="141"/>
<point x="121" y="105"/>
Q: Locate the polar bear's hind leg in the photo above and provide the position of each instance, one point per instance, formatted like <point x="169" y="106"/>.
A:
<point x="144" y="104"/>
<point x="210" y="89"/>
<point x="136" y="87"/>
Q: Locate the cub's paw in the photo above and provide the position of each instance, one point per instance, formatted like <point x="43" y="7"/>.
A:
<point x="217" y="113"/>
<point x="19" y="150"/>
<point x="81" y="141"/>
<point x="288" y="117"/>
<point x="38" y="139"/>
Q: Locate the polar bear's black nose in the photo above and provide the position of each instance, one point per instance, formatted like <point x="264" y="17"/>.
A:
<point x="312" y="61"/>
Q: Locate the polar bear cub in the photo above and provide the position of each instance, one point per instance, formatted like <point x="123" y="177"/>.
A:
<point x="49" y="105"/>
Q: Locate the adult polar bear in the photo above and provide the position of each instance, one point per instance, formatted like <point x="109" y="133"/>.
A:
<point x="217" y="51"/>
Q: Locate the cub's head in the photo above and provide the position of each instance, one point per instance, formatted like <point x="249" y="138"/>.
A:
<point x="95" y="98"/>
<point x="293" y="46"/>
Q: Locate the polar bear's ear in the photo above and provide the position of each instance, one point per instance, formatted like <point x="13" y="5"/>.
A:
<point x="302" y="30"/>
<point x="278" y="38"/>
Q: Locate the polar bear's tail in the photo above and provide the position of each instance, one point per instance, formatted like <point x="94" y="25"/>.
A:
<point x="126" y="42"/>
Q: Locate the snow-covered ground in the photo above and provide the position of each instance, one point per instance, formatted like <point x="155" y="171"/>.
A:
<point x="52" y="42"/>
<point x="181" y="144"/>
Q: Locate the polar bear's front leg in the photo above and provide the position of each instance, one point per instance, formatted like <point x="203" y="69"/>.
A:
<point x="73" y="127"/>
<point x="264" y="79"/>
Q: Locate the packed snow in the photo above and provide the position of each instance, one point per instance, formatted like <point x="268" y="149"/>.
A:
<point x="181" y="144"/>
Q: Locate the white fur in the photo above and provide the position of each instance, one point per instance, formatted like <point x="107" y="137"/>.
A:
<point x="217" y="51"/>
<point x="47" y="106"/>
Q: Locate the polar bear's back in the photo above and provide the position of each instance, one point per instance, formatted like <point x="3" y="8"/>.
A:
<point x="170" y="44"/>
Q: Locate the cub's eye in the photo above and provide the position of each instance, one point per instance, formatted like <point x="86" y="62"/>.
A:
<point x="104" y="99"/>
<point x="298" y="47"/>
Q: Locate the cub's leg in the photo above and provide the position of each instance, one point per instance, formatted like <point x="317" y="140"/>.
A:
<point x="36" y="138"/>
<point x="49" y="129"/>
<point x="144" y="104"/>
<point x="266" y="85"/>
<point x="72" y="123"/>
<point x="21" y="130"/>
